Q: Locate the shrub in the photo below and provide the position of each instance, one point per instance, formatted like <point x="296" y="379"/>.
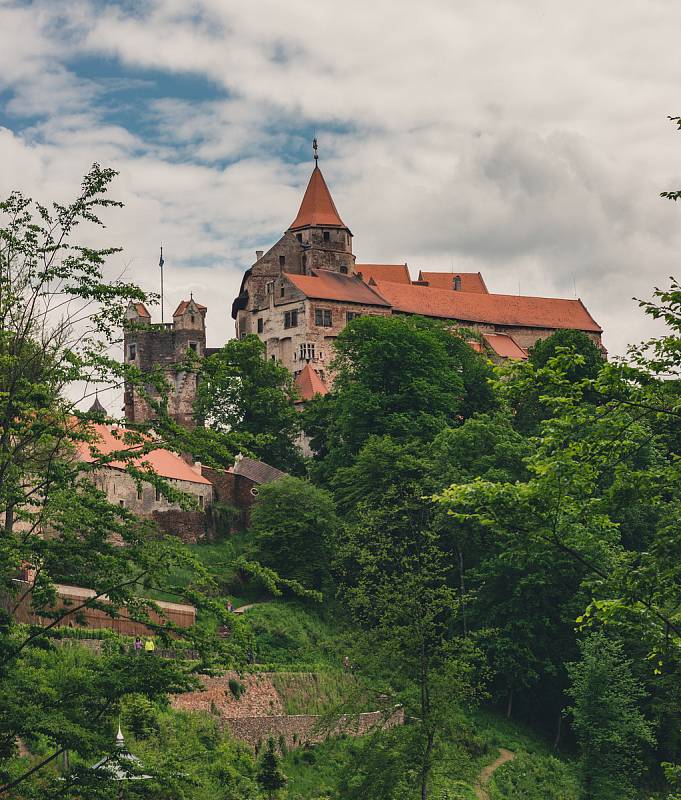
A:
<point x="534" y="777"/>
<point x="236" y="688"/>
<point x="139" y="715"/>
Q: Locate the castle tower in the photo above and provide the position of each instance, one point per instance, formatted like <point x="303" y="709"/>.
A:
<point x="325" y="238"/>
<point x="316" y="240"/>
<point x="165" y="347"/>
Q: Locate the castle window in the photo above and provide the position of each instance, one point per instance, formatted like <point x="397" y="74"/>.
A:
<point x="201" y="500"/>
<point x="299" y="237"/>
<point x="291" y="319"/>
<point x="193" y="319"/>
<point x="140" y="492"/>
<point x="261" y="324"/>
<point x="322" y="317"/>
<point x="132" y="351"/>
<point x="457" y="283"/>
<point x="306" y="351"/>
<point x="326" y="236"/>
<point x="121" y="503"/>
<point x="350" y="315"/>
<point x="269" y="287"/>
<point x="282" y="290"/>
<point x="194" y="347"/>
<point x="273" y="357"/>
<point x="344" y="270"/>
<point x="282" y="261"/>
<point x="158" y="494"/>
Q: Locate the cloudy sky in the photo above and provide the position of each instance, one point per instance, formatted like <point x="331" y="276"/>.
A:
<point x="524" y="139"/>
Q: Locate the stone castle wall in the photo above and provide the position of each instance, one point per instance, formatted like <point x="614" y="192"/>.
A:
<point x="304" y="729"/>
<point x="284" y="343"/>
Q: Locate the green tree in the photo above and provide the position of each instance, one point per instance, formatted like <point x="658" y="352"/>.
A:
<point x="295" y="524"/>
<point x="243" y="394"/>
<point x="531" y="381"/>
<point x="59" y="318"/>
<point x="270" y="775"/>
<point x="607" y="720"/>
<point x="404" y="377"/>
<point x="395" y="582"/>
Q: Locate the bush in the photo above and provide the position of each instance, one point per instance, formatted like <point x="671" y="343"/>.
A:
<point x="140" y="716"/>
<point x="294" y="523"/>
<point x="534" y="777"/>
<point x="236" y="688"/>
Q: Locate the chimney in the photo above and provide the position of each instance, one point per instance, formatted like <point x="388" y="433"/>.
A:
<point x="258" y="254"/>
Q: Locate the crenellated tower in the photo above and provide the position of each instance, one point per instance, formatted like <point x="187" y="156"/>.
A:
<point x="165" y="346"/>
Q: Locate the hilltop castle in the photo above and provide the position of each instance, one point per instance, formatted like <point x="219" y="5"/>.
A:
<point x="299" y="295"/>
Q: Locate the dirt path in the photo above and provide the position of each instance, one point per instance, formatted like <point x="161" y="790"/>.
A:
<point x="486" y="773"/>
<point x="241" y="609"/>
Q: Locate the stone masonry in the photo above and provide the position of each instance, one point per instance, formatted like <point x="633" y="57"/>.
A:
<point x="165" y="348"/>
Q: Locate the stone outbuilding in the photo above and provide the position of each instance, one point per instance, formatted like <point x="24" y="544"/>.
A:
<point x="144" y="498"/>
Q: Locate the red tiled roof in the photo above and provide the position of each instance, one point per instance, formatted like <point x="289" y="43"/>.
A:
<point x="183" y="307"/>
<point x="141" y="310"/>
<point x="470" y="281"/>
<point x="395" y="273"/>
<point x="317" y="207"/>
<point x="325" y="285"/>
<point x="162" y="462"/>
<point x="505" y="346"/>
<point x="494" y="309"/>
<point x="309" y="383"/>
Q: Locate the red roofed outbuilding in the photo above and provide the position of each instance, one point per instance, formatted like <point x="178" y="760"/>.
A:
<point x="144" y="498"/>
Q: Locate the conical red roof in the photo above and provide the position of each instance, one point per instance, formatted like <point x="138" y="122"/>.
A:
<point x="309" y="383"/>
<point x="317" y="207"/>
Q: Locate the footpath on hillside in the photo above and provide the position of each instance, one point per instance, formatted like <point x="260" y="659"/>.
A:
<point x="486" y="773"/>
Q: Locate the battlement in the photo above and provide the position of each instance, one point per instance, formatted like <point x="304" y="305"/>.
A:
<point x="165" y="346"/>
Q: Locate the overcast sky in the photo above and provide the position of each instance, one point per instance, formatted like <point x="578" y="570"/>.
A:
<point x="524" y="139"/>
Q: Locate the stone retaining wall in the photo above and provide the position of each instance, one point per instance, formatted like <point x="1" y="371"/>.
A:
<point x="303" y="729"/>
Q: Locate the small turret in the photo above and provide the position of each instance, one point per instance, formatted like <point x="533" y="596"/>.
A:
<point x="97" y="407"/>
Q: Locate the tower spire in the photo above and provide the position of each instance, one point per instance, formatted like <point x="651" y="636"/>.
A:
<point x="314" y="150"/>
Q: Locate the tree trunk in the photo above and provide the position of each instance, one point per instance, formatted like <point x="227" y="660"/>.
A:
<point x="462" y="589"/>
<point x="425" y="767"/>
<point x="509" y="703"/>
<point x="556" y="741"/>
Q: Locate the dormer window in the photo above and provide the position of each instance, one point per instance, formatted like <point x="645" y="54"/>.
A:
<point x="457" y="283"/>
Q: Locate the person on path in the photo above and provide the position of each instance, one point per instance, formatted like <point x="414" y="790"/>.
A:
<point x="137" y="645"/>
<point x="149" y="645"/>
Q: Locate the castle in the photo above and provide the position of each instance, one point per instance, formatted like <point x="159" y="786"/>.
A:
<point x="299" y="295"/>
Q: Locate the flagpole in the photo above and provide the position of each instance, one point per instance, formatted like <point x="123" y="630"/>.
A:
<point x="160" y="264"/>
